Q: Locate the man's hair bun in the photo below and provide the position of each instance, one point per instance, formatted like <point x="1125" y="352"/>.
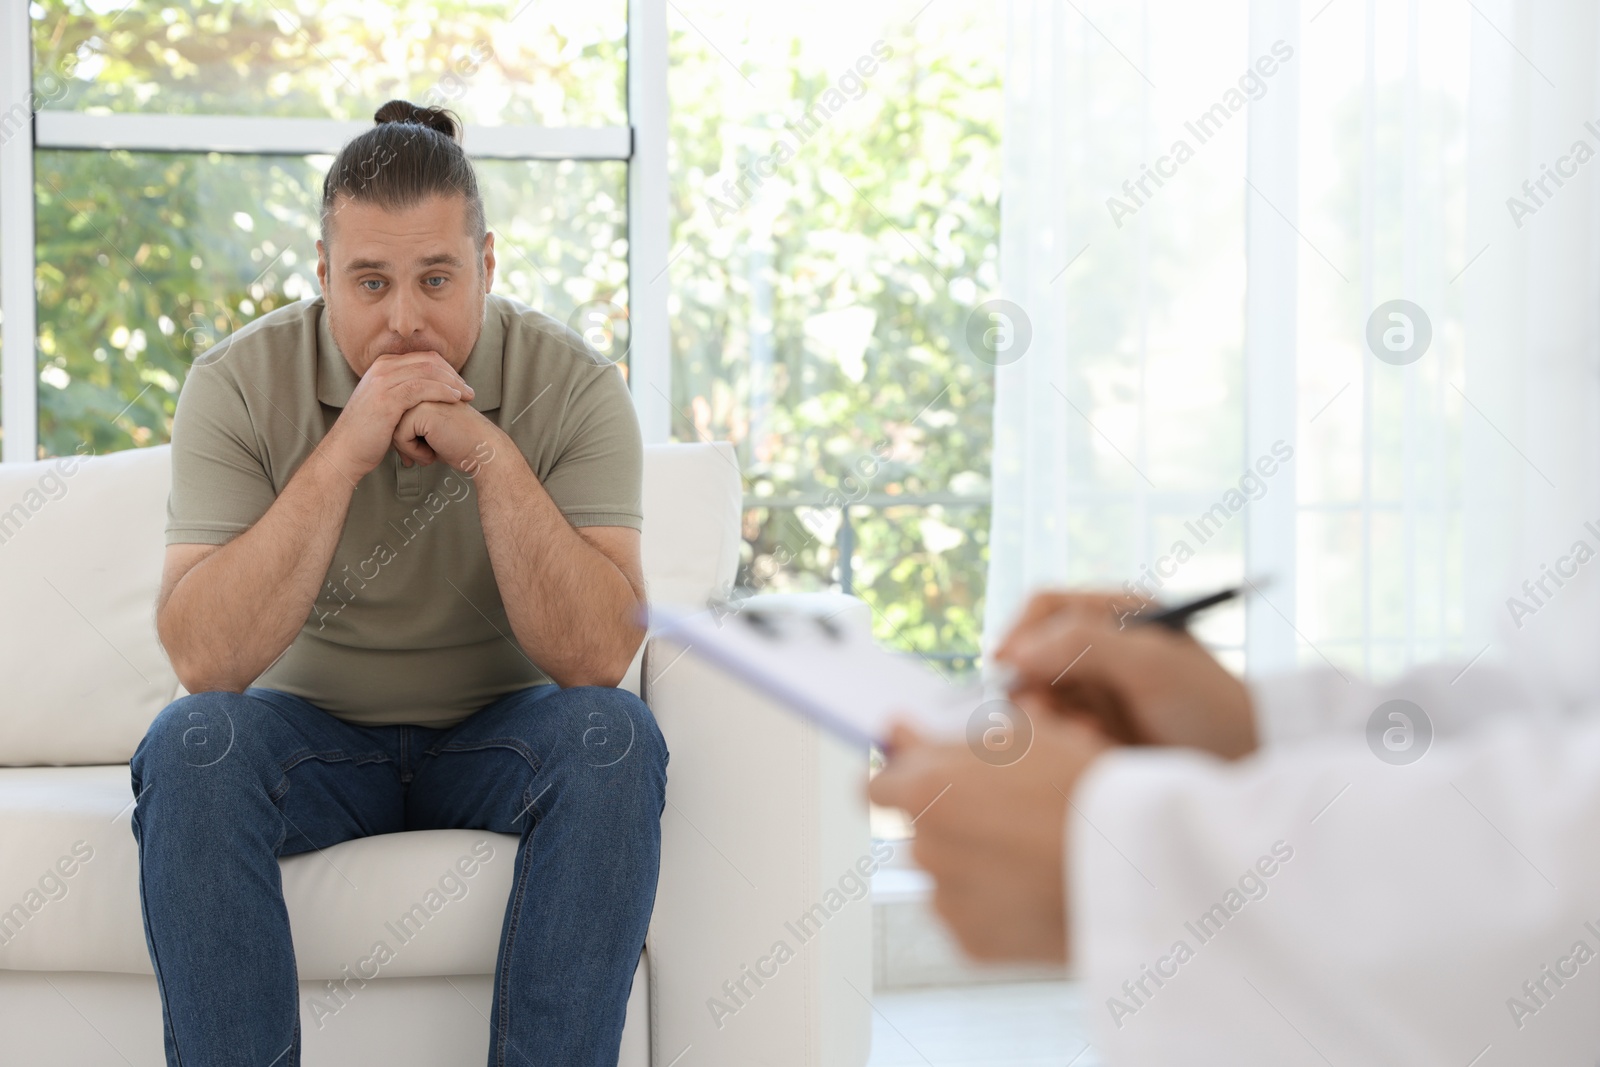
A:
<point x="434" y="118"/>
<point x="396" y="164"/>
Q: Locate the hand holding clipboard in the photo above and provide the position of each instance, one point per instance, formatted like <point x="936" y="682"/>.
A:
<point x="829" y="667"/>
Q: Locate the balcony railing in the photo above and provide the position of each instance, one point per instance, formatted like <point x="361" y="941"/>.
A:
<point x="957" y="661"/>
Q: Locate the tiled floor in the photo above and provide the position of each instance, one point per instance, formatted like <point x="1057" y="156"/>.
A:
<point x="1023" y="1024"/>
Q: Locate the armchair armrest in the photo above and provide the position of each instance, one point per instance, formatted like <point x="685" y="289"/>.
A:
<point x="760" y="947"/>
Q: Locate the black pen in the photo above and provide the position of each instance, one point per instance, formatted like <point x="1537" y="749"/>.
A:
<point x="1003" y="675"/>
<point x="1177" y="617"/>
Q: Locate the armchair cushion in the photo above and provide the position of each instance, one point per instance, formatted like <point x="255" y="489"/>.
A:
<point x="436" y="898"/>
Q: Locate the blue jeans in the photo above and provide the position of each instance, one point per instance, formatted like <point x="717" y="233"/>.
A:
<point x="227" y="783"/>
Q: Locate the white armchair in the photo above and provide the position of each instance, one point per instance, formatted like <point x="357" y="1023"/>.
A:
<point x="764" y="817"/>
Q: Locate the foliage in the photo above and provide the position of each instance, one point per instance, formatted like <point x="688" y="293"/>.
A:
<point x="821" y="321"/>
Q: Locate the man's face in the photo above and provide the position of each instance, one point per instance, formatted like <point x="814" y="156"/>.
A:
<point x="410" y="280"/>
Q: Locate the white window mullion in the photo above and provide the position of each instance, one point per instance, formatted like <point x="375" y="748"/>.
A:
<point x="1144" y="536"/>
<point x="19" y="379"/>
<point x="1369" y="209"/>
<point x="271" y="135"/>
<point x="1272" y="252"/>
<point x="649" y="228"/>
<point x="1410" y="283"/>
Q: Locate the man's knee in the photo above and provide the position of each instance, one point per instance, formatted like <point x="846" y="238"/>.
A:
<point x="193" y="733"/>
<point x="615" y="730"/>
<point x="616" y="715"/>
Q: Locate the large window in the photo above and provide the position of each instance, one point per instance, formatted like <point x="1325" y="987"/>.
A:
<point x="177" y="156"/>
<point x="835" y="205"/>
<point x="131" y="289"/>
<point x="1223" y="208"/>
<point x="498" y="63"/>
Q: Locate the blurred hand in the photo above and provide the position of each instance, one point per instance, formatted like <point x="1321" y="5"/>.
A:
<point x="392" y="386"/>
<point x="991" y="836"/>
<point x="1080" y="653"/>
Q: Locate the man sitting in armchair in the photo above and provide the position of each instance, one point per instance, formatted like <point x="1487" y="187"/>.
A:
<point x="402" y="583"/>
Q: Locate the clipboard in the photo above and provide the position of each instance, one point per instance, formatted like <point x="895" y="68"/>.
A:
<point x="826" y="667"/>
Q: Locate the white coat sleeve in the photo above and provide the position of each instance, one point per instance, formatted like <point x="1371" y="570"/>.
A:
<point x="1454" y="696"/>
<point x="1315" y="905"/>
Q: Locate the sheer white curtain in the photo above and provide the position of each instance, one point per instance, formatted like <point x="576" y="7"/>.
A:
<point x="1246" y="189"/>
<point x="1533" y="329"/>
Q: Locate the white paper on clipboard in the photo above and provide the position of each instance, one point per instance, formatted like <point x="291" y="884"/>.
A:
<point x="826" y="667"/>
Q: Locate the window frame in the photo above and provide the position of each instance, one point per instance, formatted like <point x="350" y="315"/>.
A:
<point x="642" y="145"/>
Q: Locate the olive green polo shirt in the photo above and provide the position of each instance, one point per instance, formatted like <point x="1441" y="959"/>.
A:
<point x="409" y="626"/>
